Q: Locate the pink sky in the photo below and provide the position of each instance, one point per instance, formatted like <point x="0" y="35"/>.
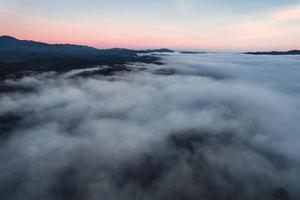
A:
<point x="273" y="29"/>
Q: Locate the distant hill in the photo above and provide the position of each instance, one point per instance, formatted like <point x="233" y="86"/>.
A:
<point x="16" y="55"/>
<point x="192" y="52"/>
<point x="14" y="50"/>
<point x="156" y="51"/>
<point x="292" y="52"/>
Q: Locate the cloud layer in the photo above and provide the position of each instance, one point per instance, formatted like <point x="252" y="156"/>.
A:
<point x="220" y="127"/>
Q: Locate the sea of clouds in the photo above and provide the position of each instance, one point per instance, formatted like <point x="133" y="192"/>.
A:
<point x="218" y="126"/>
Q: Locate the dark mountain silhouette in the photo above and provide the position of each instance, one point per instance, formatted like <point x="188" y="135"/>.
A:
<point x="192" y="52"/>
<point x="292" y="52"/>
<point x="19" y="55"/>
<point x="156" y="51"/>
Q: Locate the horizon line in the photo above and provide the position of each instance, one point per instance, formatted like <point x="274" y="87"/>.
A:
<point x="144" y="48"/>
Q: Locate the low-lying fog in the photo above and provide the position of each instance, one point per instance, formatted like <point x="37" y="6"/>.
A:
<point x="206" y="126"/>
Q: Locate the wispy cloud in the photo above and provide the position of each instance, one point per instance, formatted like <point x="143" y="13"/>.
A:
<point x="283" y="24"/>
<point x="287" y="14"/>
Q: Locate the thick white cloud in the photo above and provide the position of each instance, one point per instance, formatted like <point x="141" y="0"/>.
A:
<point x="227" y="122"/>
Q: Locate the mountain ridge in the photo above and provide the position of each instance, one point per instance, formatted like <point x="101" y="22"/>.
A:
<point x="27" y="55"/>
<point x="291" y="52"/>
<point x="7" y="38"/>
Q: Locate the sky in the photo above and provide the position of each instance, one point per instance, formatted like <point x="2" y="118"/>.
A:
<point x="219" y="25"/>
